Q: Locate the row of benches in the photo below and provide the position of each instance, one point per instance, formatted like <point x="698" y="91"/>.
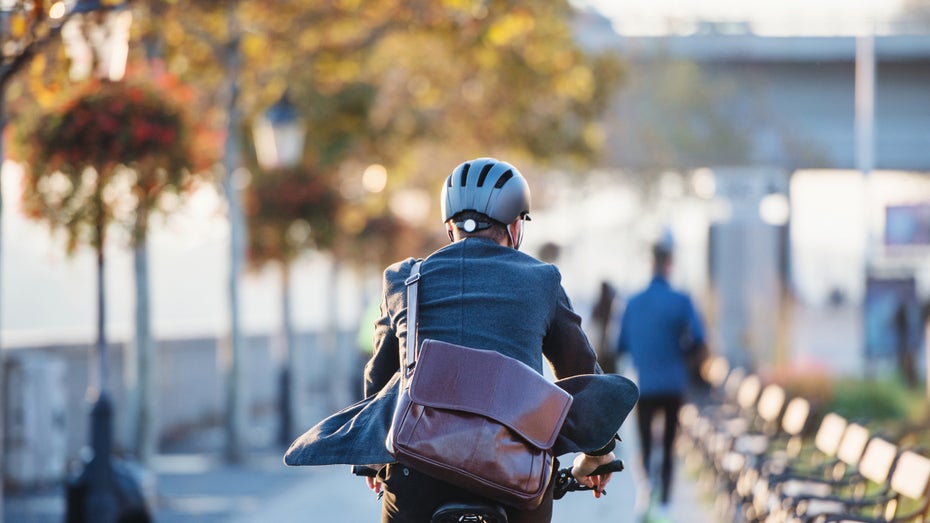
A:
<point x="750" y="444"/>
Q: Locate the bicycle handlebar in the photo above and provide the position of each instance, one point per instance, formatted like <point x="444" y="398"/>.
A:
<point x="565" y="482"/>
<point x="614" y="466"/>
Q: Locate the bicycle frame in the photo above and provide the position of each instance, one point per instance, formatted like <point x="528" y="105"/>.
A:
<point x="494" y="513"/>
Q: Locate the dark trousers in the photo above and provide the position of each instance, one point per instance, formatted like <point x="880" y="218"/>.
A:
<point x="412" y="497"/>
<point x="646" y="409"/>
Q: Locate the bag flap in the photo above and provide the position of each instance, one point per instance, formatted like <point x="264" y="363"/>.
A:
<point x="490" y="384"/>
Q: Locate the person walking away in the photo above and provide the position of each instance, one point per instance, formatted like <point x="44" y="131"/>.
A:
<point x="660" y="329"/>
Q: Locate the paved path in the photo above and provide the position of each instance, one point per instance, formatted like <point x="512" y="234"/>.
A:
<point x="332" y="494"/>
<point x="197" y="487"/>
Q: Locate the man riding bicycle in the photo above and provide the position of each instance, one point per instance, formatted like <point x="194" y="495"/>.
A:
<point x="479" y="291"/>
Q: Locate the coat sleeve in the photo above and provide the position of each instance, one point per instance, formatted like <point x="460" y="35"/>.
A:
<point x="566" y="345"/>
<point x="600" y="405"/>
<point x="601" y="402"/>
<point x="385" y="357"/>
<point x="695" y="325"/>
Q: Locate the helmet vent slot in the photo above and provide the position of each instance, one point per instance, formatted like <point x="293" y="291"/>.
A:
<point x="465" y="173"/>
<point x="503" y="179"/>
<point x="484" y="173"/>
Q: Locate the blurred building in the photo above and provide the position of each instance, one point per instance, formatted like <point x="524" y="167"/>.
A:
<point x="800" y="159"/>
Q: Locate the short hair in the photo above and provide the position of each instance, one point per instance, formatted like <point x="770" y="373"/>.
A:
<point x="661" y="254"/>
<point x="494" y="230"/>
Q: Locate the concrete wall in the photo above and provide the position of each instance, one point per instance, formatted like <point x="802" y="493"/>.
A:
<point x="48" y="400"/>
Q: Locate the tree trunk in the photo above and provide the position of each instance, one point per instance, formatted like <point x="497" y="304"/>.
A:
<point x="233" y="366"/>
<point x="144" y="430"/>
<point x="102" y="364"/>
<point x="286" y="373"/>
<point x="339" y="393"/>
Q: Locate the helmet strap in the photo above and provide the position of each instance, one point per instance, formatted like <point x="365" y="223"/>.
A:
<point x="519" y="239"/>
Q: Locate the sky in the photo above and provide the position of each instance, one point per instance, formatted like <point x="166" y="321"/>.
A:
<point x="768" y="17"/>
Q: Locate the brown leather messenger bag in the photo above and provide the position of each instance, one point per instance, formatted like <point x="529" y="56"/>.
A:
<point x="475" y="418"/>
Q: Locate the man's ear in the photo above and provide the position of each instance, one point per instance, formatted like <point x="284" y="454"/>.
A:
<point x="515" y="231"/>
<point x="449" y="230"/>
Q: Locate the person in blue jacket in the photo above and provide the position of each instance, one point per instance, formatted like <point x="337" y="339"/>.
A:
<point x="660" y="329"/>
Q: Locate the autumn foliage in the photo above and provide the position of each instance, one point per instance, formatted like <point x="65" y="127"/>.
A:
<point x="112" y="123"/>
<point x="108" y="152"/>
<point x="289" y="211"/>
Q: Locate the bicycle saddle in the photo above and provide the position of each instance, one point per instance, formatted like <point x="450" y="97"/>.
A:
<point x="476" y="512"/>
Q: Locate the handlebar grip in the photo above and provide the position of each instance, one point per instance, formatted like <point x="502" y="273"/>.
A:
<point x="614" y="466"/>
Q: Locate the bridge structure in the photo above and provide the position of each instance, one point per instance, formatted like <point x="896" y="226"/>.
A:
<point x="789" y="102"/>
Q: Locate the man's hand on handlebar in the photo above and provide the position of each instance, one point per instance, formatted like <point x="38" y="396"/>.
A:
<point x="374" y="484"/>
<point x="585" y="464"/>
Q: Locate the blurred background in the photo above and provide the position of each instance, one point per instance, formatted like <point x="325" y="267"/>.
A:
<point x="198" y="197"/>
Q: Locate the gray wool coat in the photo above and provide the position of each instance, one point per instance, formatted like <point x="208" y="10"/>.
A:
<point x="477" y="293"/>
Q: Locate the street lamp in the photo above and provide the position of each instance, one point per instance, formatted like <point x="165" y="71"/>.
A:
<point x="105" y="490"/>
<point x="25" y="28"/>
<point x="97" y="33"/>
<point x="279" y="135"/>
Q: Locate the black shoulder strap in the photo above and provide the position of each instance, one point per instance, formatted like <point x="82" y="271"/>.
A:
<point x="412" y="319"/>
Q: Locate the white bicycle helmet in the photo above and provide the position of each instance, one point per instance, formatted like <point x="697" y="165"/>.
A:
<point x="488" y="186"/>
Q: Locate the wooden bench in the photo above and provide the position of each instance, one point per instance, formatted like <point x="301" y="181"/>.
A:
<point x="706" y="428"/>
<point x="828" y="465"/>
<point x="717" y="433"/>
<point x="752" y="442"/>
<point x="907" y="501"/>
<point x="764" y="453"/>
<point x="868" y="485"/>
<point x="738" y="443"/>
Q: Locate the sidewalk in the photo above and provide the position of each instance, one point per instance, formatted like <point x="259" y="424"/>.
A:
<point x="264" y="492"/>
<point x="197" y="486"/>
<point x="189" y="482"/>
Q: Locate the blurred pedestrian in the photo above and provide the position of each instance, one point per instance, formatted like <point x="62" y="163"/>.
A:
<point x="659" y="329"/>
<point x="602" y="324"/>
<point x="549" y="252"/>
<point x="901" y="322"/>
